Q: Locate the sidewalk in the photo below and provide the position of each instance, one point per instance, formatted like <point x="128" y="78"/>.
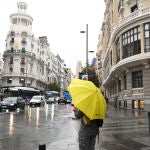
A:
<point x="122" y="130"/>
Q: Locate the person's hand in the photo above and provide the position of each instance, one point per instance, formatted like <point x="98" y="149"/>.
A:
<point x="74" y="109"/>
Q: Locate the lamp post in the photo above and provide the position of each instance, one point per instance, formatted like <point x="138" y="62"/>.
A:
<point x="86" y="31"/>
<point x="86" y="47"/>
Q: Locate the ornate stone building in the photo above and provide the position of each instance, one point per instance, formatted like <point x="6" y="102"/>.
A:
<point x="28" y="61"/>
<point x="124" y="52"/>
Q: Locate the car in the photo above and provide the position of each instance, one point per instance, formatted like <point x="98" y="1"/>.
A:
<point x="12" y="103"/>
<point x="57" y="98"/>
<point x="37" y="100"/>
<point x="51" y="100"/>
<point x="68" y="101"/>
<point x="62" y="100"/>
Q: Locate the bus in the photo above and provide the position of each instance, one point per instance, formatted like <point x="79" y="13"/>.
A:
<point x="48" y="93"/>
<point x="21" y="91"/>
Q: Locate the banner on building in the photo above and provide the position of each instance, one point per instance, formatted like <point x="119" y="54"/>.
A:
<point x="85" y="77"/>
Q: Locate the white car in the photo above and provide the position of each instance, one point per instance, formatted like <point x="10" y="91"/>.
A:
<point x="51" y="100"/>
<point x="37" y="100"/>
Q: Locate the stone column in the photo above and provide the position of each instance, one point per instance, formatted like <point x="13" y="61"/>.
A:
<point x="142" y="38"/>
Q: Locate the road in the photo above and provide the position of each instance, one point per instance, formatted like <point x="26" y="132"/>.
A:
<point x="52" y="125"/>
<point x="26" y="129"/>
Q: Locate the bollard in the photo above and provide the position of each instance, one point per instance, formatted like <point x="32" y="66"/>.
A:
<point x="42" y="147"/>
<point x="149" y="120"/>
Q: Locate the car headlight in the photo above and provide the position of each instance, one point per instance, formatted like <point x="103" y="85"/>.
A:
<point x="12" y="104"/>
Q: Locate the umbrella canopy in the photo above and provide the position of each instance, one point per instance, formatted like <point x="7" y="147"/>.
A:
<point x="88" y="98"/>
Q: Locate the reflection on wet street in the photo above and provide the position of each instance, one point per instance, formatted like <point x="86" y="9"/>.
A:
<point x="125" y="129"/>
<point x="26" y="129"/>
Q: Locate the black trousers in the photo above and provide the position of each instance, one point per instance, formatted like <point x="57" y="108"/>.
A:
<point x="87" y="142"/>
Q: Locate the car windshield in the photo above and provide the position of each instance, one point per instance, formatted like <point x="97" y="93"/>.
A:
<point x="36" y="97"/>
<point x="10" y="99"/>
<point x="51" y="95"/>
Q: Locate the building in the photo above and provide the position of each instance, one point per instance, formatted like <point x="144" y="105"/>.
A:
<point x="78" y="68"/>
<point x="28" y="61"/>
<point x="124" y="53"/>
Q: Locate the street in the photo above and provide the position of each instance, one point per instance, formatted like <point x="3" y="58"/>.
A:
<point x="53" y="126"/>
<point x="26" y="129"/>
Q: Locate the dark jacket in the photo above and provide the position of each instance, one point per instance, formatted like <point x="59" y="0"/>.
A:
<point x="89" y="129"/>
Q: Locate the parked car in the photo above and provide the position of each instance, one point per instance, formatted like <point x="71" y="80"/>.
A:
<point x="51" y="100"/>
<point x="37" y="100"/>
<point x="12" y="103"/>
<point x="62" y="100"/>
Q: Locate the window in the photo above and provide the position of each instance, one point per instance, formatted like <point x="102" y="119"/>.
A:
<point x="22" y="70"/>
<point x="22" y="60"/>
<point x="117" y="51"/>
<point x="125" y="82"/>
<point x="98" y="57"/>
<point x="119" y="85"/>
<point x="147" y="37"/>
<point x="131" y="42"/>
<point x="22" y="81"/>
<point x="10" y="70"/>
<point x="11" y="60"/>
<point x="12" y="41"/>
<point x="9" y="80"/>
<point x="134" y="8"/>
<point x="137" y="79"/>
<point x="24" y="34"/>
<point x="121" y="3"/>
<point x="24" y="41"/>
<point x="12" y="33"/>
<point x="99" y="65"/>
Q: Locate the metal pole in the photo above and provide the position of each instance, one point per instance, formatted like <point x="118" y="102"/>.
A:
<point x="149" y="121"/>
<point x="87" y="49"/>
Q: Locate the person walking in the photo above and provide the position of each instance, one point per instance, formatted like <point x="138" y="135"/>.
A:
<point x="88" y="131"/>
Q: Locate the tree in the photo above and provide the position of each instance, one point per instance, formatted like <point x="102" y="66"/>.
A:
<point x="92" y="76"/>
<point x="53" y="86"/>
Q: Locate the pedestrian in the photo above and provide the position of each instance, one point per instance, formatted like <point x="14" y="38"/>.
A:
<point x="88" y="131"/>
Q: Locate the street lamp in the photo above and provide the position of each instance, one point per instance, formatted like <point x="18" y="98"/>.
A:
<point x="86" y="47"/>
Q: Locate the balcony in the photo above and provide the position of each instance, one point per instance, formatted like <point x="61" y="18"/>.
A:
<point x="19" y="51"/>
<point x="137" y="91"/>
<point x="15" y="51"/>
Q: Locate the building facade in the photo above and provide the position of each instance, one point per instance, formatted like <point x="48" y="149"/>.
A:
<point x="78" y="68"/>
<point x="28" y="61"/>
<point x="124" y="52"/>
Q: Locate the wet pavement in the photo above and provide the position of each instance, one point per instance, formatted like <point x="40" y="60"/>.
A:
<point x="123" y="129"/>
<point x="53" y="126"/>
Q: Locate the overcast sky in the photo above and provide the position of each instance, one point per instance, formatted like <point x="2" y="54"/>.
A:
<point x="61" y="21"/>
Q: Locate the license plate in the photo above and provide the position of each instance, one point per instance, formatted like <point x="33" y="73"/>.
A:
<point x="4" y="106"/>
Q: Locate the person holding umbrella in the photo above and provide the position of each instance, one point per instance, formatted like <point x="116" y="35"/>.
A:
<point x="88" y="131"/>
<point x="90" y="107"/>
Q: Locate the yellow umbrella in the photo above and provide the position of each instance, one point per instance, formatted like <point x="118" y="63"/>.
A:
<point x="87" y="98"/>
